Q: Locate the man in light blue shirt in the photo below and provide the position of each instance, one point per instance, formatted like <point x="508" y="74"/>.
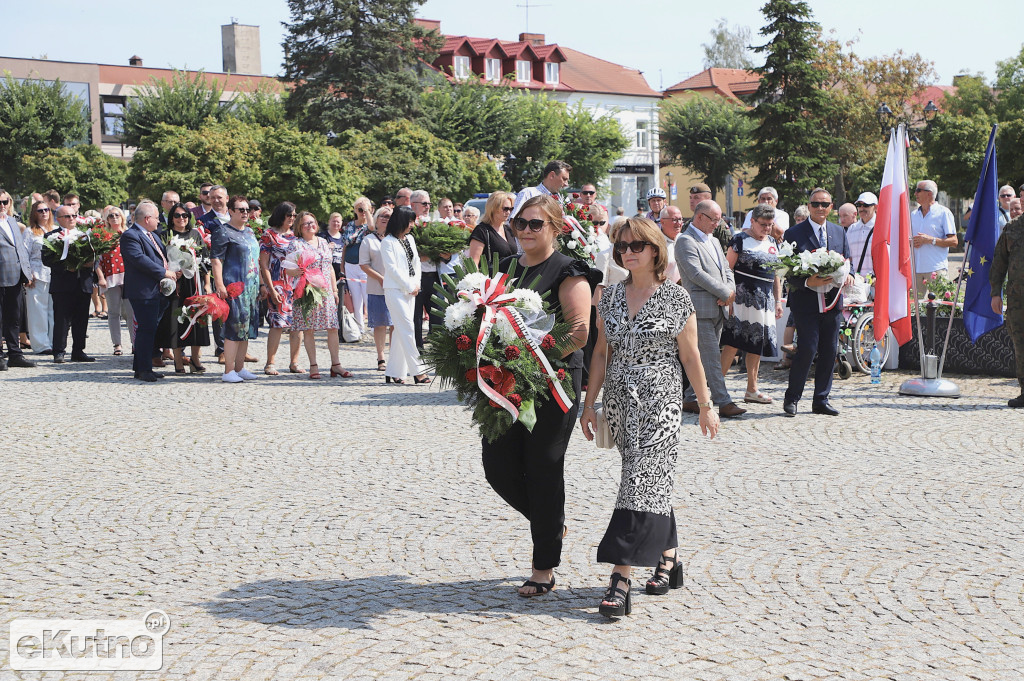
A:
<point x="556" y="178"/>
<point x="933" y="234"/>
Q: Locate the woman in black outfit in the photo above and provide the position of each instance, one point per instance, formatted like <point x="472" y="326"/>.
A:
<point x="182" y="224"/>
<point x="493" y="235"/>
<point x="525" y="468"/>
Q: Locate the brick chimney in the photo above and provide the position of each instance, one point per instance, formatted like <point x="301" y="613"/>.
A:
<point x="535" y="39"/>
<point x="135" y="60"/>
<point x="429" y="24"/>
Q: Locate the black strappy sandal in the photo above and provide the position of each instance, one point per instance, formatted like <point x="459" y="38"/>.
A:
<point x="620" y="600"/>
<point x="541" y="587"/>
<point x="665" y="578"/>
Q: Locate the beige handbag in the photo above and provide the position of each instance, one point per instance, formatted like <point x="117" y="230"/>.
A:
<point x="602" y="432"/>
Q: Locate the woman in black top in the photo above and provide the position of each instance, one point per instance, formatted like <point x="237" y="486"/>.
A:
<point x="526" y="467"/>
<point x="492" y="235"/>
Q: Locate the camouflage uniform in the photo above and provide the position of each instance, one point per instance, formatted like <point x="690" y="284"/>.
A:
<point x="1008" y="263"/>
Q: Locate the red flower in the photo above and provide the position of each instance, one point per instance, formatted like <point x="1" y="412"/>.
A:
<point x="566" y="228"/>
<point x="235" y="289"/>
<point x="515" y="399"/>
<point x="561" y="374"/>
<point x="463" y="342"/>
<point x="471" y="375"/>
<point x="548" y="342"/>
<point x="502" y="380"/>
<point x="511" y="352"/>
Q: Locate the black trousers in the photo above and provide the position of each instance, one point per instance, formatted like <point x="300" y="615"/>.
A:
<point x="526" y="470"/>
<point x="818" y="333"/>
<point x="148" y="312"/>
<point x="11" y="308"/>
<point x="427" y="281"/>
<point x="70" y="312"/>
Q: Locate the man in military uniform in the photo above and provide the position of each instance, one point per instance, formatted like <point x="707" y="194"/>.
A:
<point x="1009" y="262"/>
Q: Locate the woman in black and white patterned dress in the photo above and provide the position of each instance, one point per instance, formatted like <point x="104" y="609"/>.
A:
<point x="647" y="325"/>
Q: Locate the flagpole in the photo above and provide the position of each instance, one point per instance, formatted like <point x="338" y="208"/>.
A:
<point x="913" y="255"/>
<point x="952" y="312"/>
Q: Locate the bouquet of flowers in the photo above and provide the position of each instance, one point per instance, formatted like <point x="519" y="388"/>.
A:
<point x="257" y="225"/>
<point x="196" y="307"/>
<point x="821" y="262"/>
<point x="77" y="248"/>
<point x="104" y="239"/>
<point x="183" y="256"/>
<point x="435" y="238"/>
<point x="578" y="239"/>
<point x="500" y="347"/>
<point x="311" y="285"/>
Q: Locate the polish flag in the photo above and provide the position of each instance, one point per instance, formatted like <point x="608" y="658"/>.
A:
<point x="890" y="246"/>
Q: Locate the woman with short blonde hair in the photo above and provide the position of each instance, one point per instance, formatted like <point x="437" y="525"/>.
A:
<point x="39" y="304"/>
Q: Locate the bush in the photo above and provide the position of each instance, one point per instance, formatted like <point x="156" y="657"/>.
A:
<point x="97" y="178"/>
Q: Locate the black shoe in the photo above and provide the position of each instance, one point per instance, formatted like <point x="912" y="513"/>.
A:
<point x="1015" y="403"/>
<point x="3" y="364"/>
<point x="58" y="358"/>
<point x="81" y="357"/>
<point x="20" y="361"/>
<point x="824" y="407"/>
<point x="388" y="379"/>
<point x="618" y="599"/>
<point x="665" y="578"/>
<point x="148" y="378"/>
<point x="789" y="408"/>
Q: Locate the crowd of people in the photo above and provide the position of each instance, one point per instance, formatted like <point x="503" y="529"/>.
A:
<point x="657" y="318"/>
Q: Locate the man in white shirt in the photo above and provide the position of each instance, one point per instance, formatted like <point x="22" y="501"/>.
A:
<point x="769" y="196"/>
<point x="934" y="233"/>
<point x="419" y="201"/>
<point x="859" y="234"/>
<point x="1006" y="195"/>
<point x="556" y="178"/>
<point x="671" y="221"/>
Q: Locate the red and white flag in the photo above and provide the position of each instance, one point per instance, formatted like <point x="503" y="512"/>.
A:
<point x="890" y="245"/>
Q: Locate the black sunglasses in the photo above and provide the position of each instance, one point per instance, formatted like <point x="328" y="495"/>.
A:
<point x="458" y="211"/>
<point x="520" y="225"/>
<point x="180" y="215"/>
<point x="862" y="205"/>
<point x="389" y="202"/>
<point x="587" y="193"/>
<point x="820" y="204"/>
<point x="4" y="202"/>
<point x="42" y="211"/>
<point x="206" y="193"/>
<point x="600" y="223"/>
<point x="1006" y="196"/>
<point x="241" y="210"/>
<point x="635" y="246"/>
<point x="506" y="209"/>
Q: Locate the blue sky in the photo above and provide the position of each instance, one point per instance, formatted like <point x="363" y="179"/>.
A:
<point x="660" y="37"/>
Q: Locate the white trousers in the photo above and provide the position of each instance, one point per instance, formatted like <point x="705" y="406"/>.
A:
<point x="39" y="312"/>
<point x="404" y="358"/>
<point x="356" y="278"/>
<point x="119" y="307"/>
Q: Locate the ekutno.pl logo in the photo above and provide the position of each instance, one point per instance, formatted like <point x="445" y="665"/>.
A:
<point x="89" y="645"/>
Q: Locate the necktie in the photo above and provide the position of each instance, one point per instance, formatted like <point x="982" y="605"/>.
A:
<point x="153" y="241"/>
<point x="823" y="237"/>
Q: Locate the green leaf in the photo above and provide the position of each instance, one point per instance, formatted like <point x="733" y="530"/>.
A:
<point x="528" y="415"/>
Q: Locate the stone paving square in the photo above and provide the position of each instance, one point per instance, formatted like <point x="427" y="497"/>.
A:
<point x="342" y="529"/>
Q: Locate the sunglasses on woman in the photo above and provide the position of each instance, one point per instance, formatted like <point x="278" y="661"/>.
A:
<point x="180" y="216"/>
<point x="520" y="225"/>
<point x="635" y="246"/>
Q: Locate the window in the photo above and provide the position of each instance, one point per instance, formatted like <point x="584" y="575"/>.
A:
<point x="551" y="73"/>
<point x="493" y="69"/>
<point x="113" y="117"/>
<point x="523" y="71"/>
<point x="642" y="135"/>
<point x="461" y="67"/>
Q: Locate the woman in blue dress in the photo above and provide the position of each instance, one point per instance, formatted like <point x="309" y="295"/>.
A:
<point x="236" y="270"/>
<point x="751" y="326"/>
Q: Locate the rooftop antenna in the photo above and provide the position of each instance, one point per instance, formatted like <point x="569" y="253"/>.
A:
<point x="527" y="6"/>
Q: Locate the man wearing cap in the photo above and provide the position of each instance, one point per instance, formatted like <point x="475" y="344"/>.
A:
<point x="701" y="192"/>
<point x="859" y="234"/>
<point x="556" y="178"/>
<point x="770" y="197"/>
<point x="933" y="234"/>
<point x="255" y="209"/>
<point x="656" y="202"/>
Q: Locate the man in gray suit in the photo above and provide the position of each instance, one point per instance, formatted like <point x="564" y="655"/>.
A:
<point x="15" y="274"/>
<point x="705" y="273"/>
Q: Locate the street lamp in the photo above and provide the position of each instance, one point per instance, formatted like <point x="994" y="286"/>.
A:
<point x="884" y="114"/>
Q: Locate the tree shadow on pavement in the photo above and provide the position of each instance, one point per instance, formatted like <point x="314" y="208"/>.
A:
<point x="361" y="603"/>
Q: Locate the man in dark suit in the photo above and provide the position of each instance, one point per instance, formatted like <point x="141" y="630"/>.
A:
<point x="15" y="274"/>
<point x="817" y="330"/>
<point x="145" y="264"/>
<point x="71" y="291"/>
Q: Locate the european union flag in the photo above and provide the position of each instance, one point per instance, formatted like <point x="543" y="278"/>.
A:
<point x="979" y="318"/>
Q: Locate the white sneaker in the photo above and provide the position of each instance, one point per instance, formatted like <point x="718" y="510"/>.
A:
<point x="247" y="375"/>
<point x="231" y="377"/>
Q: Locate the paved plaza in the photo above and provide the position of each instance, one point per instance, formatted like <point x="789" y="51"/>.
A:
<point x="342" y="529"/>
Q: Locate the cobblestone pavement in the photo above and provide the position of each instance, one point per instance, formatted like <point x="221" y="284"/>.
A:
<point x="343" y="529"/>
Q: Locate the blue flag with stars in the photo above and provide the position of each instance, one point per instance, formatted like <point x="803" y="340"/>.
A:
<point x="979" y="318"/>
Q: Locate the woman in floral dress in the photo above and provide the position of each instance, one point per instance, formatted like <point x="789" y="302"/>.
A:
<point x="273" y="247"/>
<point x="325" y="316"/>
<point x="234" y="259"/>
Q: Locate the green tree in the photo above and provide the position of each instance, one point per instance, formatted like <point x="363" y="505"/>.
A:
<point x="186" y="101"/>
<point x="301" y="168"/>
<point x="355" y="63"/>
<point x="792" y="147"/>
<point x="1010" y="85"/>
<point x="97" y="178"/>
<point x="973" y="96"/>
<point x="471" y="114"/>
<point x="590" y="144"/>
<point x="1009" y="142"/>
<point x="36" y="115"/>
<point x="955" y="149"/>
<point x="706" y="135"/>
<point x="534" y="140"/>
<point x="401" y="153"/>
<point x="264" y="105"/>
<point x="728" y="49"/>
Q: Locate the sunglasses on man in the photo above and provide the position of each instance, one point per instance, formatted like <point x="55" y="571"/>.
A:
<point x="820" y="204"/>
<point x="587" y="192"/>
<point x="635" y="246"/>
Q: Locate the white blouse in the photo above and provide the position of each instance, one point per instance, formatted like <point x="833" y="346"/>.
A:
<point x="396" y="265"/>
